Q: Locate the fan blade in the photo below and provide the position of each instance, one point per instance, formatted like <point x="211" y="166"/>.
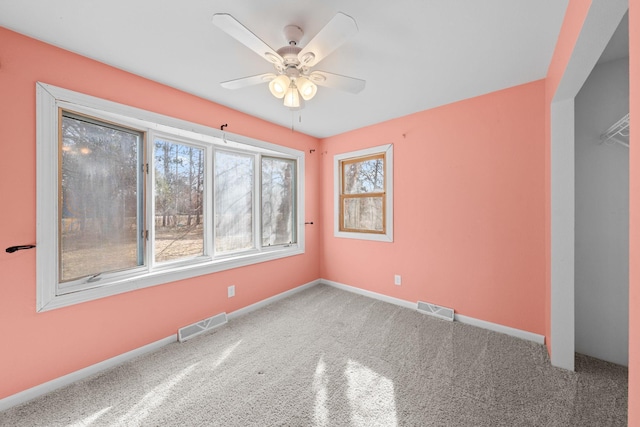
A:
<point x="235" y="29"/>
<point x="248" y="81"/>
<point x="331" y="36"/>
<point x="336" y="81"/>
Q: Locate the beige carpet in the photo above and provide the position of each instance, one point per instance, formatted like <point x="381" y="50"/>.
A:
<point x="326" y="357"/>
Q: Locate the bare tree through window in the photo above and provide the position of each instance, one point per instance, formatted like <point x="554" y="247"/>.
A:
<point x="179" y="181"/>
<point x="362" y="196"/>
<point x="278" y="185"/>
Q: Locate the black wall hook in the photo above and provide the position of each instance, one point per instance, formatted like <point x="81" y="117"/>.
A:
<point x="12" y="249"/>
<point x="223" y="126"/>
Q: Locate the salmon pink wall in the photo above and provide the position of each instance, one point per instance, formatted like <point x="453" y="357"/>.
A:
<point x="38" y="347"/>
<point x="634" y="215"/>
<point x="468" y="207"/>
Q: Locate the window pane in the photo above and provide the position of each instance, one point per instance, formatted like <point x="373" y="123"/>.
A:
<point x="101" y="199"/>
<point x="179" y="176"/>
<point x="366" y="176"/>
<point x="233" y="201"/>
<point x="363" y="213"/>
<point x="278" y="184"/>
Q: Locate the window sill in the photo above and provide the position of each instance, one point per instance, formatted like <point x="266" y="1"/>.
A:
<point x="377" y="237"/>
<point x="163" y="276"/>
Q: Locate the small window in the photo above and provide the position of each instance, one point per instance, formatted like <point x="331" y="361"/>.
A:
<point x="364" y="194"/>
<point x="362" y="198"/>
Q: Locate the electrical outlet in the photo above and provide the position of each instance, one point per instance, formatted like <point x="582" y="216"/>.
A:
<point x="397" y="279"/>
<point x="231" y="291"/>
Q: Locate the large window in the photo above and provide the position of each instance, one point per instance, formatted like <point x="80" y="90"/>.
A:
<point x="364" y="194"/>
<point x="129" y="199"/>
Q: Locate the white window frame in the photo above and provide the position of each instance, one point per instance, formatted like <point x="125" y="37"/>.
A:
<point x="387" y="150"/>
<point x="49" y="99"/>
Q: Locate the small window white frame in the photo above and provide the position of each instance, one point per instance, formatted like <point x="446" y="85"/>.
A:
<point x="387" y="150"/>
<point x="49" y="99"/>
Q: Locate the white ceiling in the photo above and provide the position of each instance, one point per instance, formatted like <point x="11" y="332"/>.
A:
<point x="414" y="54"/>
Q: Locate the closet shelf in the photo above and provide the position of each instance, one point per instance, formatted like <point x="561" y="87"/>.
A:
<point x="619" y="132"/>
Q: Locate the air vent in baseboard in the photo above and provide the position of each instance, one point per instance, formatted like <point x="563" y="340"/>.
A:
<point x="436" y="310"/>
<point x="200" y="327"/>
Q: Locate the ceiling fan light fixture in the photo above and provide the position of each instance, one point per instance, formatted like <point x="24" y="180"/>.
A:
<point x="292" y="97"/>
<point x="306" y="87"/>
<point x="279" y="85"/>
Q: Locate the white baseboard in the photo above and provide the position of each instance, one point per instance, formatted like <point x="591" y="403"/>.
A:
<point x="271" y="300"/>
<point x="49" y="386"/>
<point x="518" y="333"/>
<point x="374" y="295"/>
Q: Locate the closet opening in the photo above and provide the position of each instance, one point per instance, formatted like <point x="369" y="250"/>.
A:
<point x="602" y="205"/>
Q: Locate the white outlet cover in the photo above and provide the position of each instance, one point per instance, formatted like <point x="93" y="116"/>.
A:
<point x="398" y="279"/>
<point x="231" y="291"/>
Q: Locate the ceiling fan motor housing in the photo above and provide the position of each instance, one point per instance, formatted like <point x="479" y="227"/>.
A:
<point x="293" y="34"/>
<point x="290" y="55"/>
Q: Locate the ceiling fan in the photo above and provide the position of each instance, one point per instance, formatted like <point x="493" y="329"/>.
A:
<point x="294" y="78"/>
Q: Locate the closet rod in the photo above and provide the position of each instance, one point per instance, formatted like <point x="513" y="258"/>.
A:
<point x="619" y="132"/>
